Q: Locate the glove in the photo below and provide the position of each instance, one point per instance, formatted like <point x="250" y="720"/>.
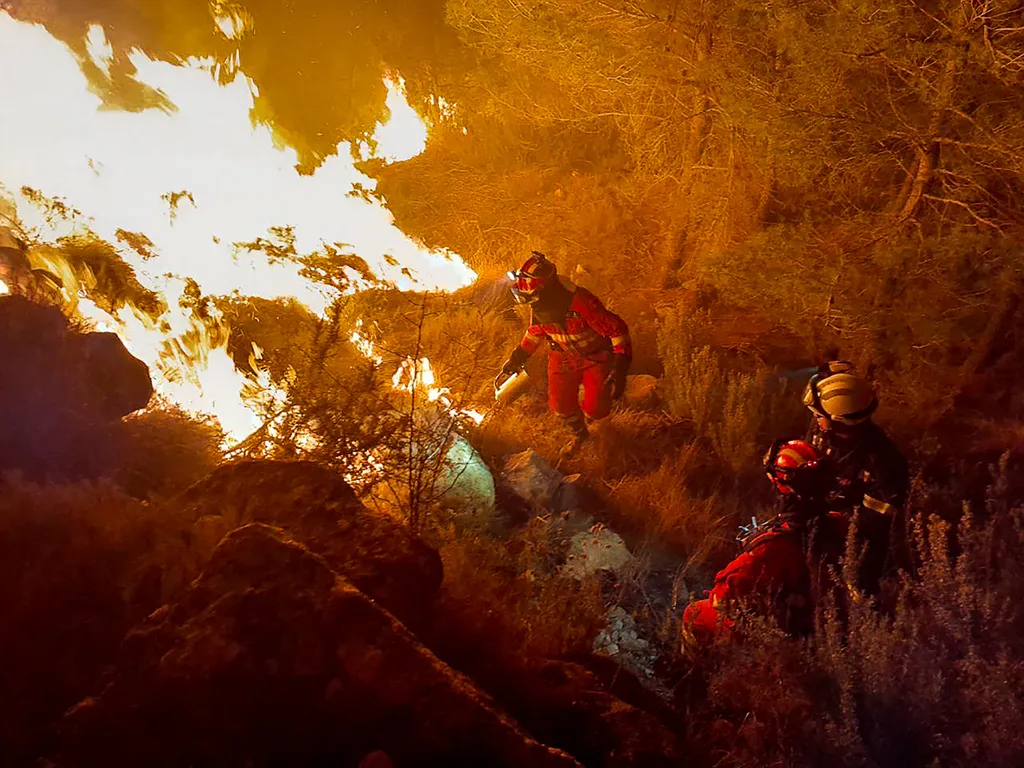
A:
<point x="617" y="376"/>
<point x="515" y="362"/>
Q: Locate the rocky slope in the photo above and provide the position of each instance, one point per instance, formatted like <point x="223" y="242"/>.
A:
<point x="263" y="617"/>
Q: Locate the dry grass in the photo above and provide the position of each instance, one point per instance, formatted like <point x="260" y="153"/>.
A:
<point x="659" y="503"/>
<point x="508" y="596"/>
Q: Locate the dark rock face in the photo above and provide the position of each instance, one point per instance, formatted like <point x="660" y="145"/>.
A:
<point x="271" y="659"/>
<point x="601" y="720"/>
<point x="119" y="382"/>
<point x="375" y="553"/>
<point x="63" y="613"/>
<point x="564" y="704"/>
<point x="64" y="393"/>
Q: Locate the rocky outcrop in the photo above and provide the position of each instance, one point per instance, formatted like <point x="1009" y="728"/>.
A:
<point x="271" y="659"/>
<point x="533" y="480"/>
<point x="118" y="383"/>
<point x="373" y="551"/>
<point x="591" y="546"/>
<point x="565" y="704"/>
<point x="64" y="393"/>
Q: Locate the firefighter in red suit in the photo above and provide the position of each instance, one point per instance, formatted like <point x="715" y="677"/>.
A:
<point x="588" y="344"/>
<point x="783" y="565"/>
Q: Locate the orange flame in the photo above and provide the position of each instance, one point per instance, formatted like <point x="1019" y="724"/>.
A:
<point x="415" y="375"/>
<point x="196" y="180"/>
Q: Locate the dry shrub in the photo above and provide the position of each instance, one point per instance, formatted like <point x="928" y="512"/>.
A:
<point x="933" y="681"/>
<point x="997" y="435"/>
<point x="699" y="529"/>
<point x="736" y="406"/>
<point x="508" y="598"/>
<point x="165" y="450"/>
<point x="760" y="701"/>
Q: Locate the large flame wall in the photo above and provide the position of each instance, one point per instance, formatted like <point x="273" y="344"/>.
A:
<point x="122" y="169"/>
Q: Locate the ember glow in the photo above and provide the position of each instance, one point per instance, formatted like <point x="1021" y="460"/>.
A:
<point x="418" y="374"/>
<point x="415" y="375"/>
<point x="196" y="179"/>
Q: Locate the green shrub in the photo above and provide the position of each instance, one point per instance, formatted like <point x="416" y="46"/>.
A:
<point x="736" y="406"/>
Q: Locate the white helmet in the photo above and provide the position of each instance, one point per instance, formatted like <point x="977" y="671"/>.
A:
<point x="841" y="397"/>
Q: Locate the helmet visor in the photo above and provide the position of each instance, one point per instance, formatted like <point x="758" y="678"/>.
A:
<point x="811" y="399"/>
<point x="525" y="288"/>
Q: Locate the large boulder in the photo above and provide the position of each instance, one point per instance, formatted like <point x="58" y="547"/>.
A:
<point x="534" y="481"/>
<point x="373" y="551"/>
<point x="64" y="393"/>
<point x="566" y="705"/>
<point x="119" y="383"/>
<point x="271" y="659"/>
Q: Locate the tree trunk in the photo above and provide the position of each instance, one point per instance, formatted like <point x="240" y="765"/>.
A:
<point x="700" y="126"/>
<point x="928" y="150"/>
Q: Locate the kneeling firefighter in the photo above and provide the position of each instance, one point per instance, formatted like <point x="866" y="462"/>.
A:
<point x="588" y="344"/>
<point x="783" y="565"/>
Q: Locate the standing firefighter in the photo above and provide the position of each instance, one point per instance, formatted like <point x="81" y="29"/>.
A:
<point x="870" y="473"/>
<point x="589" y="345"/>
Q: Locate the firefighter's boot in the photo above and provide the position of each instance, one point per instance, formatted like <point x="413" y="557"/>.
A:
<point x="580" y="433"/>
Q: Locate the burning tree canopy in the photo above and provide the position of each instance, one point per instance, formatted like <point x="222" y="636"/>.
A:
<point x="315" y="66"/>
<point x="141" y="213"/>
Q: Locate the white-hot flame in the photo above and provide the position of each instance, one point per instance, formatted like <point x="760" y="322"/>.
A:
<point x="413" y="375"/>
<point x="99" y="49"/>
<point x="404" y="135"/>
<point x="196" y="179"/>
<point x="233" y="22"/>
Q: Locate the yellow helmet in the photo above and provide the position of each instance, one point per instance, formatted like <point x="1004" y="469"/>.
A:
<point x="841" y="397"/>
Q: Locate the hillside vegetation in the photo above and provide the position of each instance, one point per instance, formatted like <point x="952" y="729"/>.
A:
<point x="755" y="187"/>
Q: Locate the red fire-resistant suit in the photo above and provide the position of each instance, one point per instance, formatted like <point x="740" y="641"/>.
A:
<point x="583" y="342"/>
<point x="773" y="575"/>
